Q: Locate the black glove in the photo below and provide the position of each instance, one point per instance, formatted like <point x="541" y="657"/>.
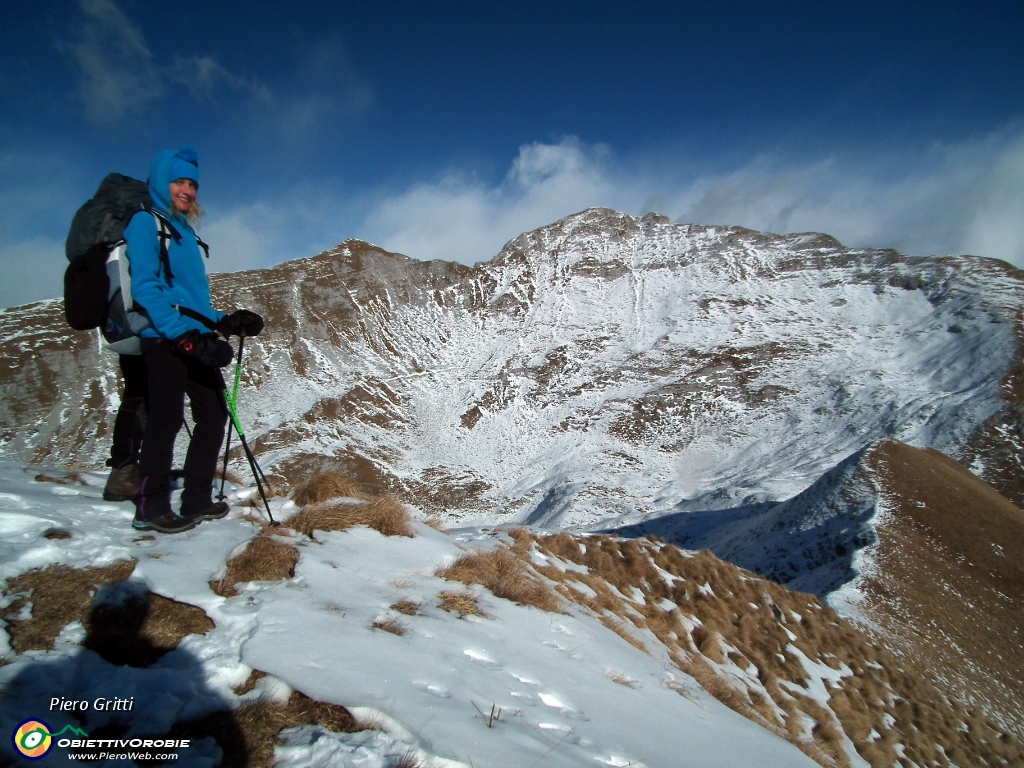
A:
<point x="206" y="348"/>
<point x="241" y="322"/>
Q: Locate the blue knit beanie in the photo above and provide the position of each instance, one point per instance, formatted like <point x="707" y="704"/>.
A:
<point x="186" y="164"/>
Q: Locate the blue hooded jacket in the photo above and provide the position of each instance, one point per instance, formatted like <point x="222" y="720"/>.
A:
<point x="188" y="287"/>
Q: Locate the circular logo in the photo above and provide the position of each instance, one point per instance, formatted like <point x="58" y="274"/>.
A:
<point x="32" y="739"/>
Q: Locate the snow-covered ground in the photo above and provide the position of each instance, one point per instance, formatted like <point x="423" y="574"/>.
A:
<point x="557" y="678"/>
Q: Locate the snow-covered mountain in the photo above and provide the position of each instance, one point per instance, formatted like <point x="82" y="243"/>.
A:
<point x="603" y="367"/>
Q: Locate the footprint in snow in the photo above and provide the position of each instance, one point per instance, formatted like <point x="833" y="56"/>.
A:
<point x="482" y="657"/>
<point x="63" y="490"/>
<point x="438" y="690"/>
<point x="553" y="701"/>
<point x="525" y="680"/>
<point x="564" y="709"/>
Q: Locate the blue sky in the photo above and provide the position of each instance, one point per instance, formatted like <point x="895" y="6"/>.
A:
<point x="442" y="130"/>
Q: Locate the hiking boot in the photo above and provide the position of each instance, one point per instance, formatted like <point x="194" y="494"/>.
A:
<point x="122" y="483"/>
<point x="167" y="522"/>
<point x="153" y="512"/>
<point x="214" y="511"/>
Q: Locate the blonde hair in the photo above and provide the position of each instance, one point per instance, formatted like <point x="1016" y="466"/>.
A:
<point x="194" y="215"/>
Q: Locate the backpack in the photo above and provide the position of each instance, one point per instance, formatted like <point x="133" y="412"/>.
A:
<point x="97" y="282"/>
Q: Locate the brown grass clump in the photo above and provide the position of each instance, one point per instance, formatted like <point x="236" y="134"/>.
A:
<point x="250" y="683"/>
<point x="384" y="514"/>
<point x="505" y="575"/>
<point x="408" y="760"/>
<point x="390" y="625"/>
<point x="136" y="630"/>
<point x="406" y="607"/>
<point x="59" y="596"/>
<point x="56" y="534"/>
<point x="142" y="629"/>
<point x="72" y="478"/>
<point x="247" y="736"/>
<point x="461" y="603"/>
<point x="265" y="559"/>
<point x="617" y="627"/>
<point x="327" y="486"/>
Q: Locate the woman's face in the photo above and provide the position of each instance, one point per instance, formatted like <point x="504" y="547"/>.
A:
<point x="183" y="194"/>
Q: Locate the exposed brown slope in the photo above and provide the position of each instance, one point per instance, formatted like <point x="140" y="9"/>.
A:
<point x="945" y="584"/>
<point x="764" y="651"/>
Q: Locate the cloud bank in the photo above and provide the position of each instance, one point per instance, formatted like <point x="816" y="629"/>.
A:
<point x="952" y="199"/>
<point x="961" y="198"/>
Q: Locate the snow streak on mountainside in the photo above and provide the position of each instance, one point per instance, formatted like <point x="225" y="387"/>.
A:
<point x="602" y="368"/>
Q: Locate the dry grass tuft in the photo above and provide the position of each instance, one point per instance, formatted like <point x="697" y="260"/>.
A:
<point x="390" y="625"/>
<point x="136" y="629"/>
<point x="621" y="679"/>
<point x="56" y="534"/>
<point x="59" y="596"/>
<point x="250" y="683"/>
<point x="506" y="576"/>
<point x="617" y="627"/>
<point x="408" y="760"/>
<point x="461" y="603"/>
<point x="384" y="514"/>
<point x="265" y="559"/>
<point x="407" y="607"/>
<point x="142" y="629"/>
<point x="72" y="478"/>
<point x="327" y="486"/>
<point x="435" y="523"/>
<point x="247" y="736"/>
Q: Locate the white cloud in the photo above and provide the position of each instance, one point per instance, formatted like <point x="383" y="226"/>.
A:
<point x="457" y="218"/>
<point x="950" y="199"/>
<point x="325" y="92"/>
<point x="204" y="76"/>
<point x="298" y="223"/>
<point x="996" y="226"/>
<point x="117" y="75"/>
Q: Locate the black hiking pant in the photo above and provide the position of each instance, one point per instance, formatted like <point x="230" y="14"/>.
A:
<point x="171" y="376"/>
<point x="130" y="423"/>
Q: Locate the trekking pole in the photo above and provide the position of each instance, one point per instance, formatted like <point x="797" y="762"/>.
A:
<point x="231" y="421"/>
<point x="238" y="429"/>
<point x="257" y="473"/>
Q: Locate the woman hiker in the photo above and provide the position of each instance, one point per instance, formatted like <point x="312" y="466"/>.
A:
<point x="181" y="351"/>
